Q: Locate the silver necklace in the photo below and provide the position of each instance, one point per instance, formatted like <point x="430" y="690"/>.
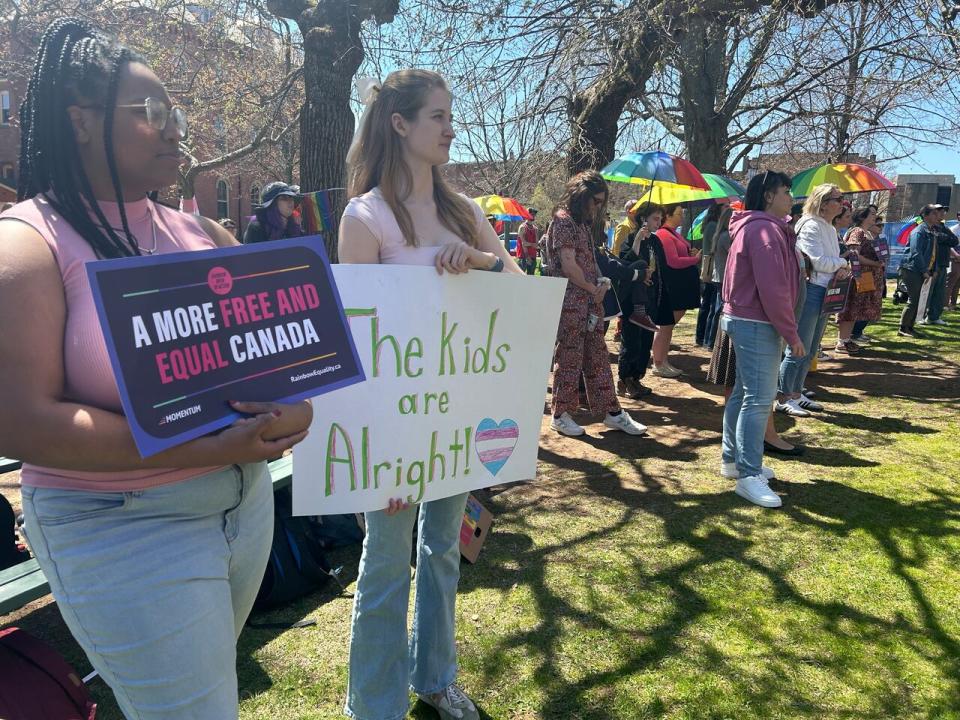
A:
<point x="153" y="230"/>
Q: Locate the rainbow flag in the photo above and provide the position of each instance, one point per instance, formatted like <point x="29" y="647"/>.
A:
<point x="316" y="212"/>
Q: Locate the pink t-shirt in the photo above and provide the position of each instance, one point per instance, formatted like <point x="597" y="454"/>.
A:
<point x="88" y="375"/>
<point x="374" y="212"/>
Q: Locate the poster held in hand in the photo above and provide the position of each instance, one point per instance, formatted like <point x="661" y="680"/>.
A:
<point x="836" y="296"/>
<point x="453" y="399"/>
<point x="188" y="332"/>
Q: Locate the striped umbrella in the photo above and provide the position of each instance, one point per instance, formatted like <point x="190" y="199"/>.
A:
<point x="502" y="208"/>
<point x="651" y="168"/>
<point x="669" y="194"/>
<point x="849" y="177"/>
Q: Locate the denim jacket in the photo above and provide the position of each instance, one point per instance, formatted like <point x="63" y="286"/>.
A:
<point x="923" y="243"/>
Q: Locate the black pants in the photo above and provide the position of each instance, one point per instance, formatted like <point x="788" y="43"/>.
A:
<point x="636" y="345"/>
<point x="914" y="282"/>
<point x="708" y="317"/>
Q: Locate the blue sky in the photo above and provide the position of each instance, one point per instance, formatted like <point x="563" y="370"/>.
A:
<point x="931" y="159"/>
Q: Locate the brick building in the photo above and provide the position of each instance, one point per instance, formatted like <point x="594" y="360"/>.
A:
<point x="915" y="191"/>
<point x="229" y="191"/>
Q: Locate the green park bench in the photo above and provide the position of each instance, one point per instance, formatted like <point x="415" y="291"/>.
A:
<point x="25" y="582"/>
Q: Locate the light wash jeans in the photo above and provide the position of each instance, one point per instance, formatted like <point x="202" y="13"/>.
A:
<point x="757" y="348"/>
<point x="384" y="662"/>
<point x="155" y="585"/>
<point x="810" y="327"/>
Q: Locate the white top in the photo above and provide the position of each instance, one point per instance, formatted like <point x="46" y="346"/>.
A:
<point x="374" y="212"/>
<point x="818" y="240"/>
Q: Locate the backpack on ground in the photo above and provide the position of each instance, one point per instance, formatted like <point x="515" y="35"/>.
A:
<point x="11" y="552"/>
<point x="297" y="563"/>
<point x="36" y="683"/>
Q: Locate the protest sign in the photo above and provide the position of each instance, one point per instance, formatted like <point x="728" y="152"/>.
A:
<point x="882" y="248"/>
<point x="836" y="296"/>
<point x="188" y="332"/>
<point x="456" y="369"/>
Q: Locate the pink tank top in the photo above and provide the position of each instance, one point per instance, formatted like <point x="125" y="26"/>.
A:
<point x="374" y="212"/>
<point x="88" y="375"/>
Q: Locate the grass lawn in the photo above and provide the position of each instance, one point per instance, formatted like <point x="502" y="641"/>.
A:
<point x="630" y="582"/>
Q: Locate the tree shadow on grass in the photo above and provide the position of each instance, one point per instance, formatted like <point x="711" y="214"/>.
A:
<point x="714" y="530"/>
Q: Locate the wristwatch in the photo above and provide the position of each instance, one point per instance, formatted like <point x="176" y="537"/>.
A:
<point x="497" y="266"/>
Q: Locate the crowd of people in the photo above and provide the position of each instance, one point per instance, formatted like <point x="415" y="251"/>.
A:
<point x="761" y="281"/>
<point x="155" y="563"/>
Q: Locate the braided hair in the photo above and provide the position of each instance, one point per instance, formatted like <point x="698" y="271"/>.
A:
<point x="76" y="65"/>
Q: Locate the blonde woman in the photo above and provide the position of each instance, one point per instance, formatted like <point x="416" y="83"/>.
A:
<point x="817" y="239"/>
<point x="402" y="212"/>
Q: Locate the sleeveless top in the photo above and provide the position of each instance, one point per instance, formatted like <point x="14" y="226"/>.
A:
<point x="87" y="372"/>
<point x="374" y="212"/>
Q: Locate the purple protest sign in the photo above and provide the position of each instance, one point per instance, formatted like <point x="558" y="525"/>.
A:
<point x="882" y="248"/>
<point x="188" y="332"/>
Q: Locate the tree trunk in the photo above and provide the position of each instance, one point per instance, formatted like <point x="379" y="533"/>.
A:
<point x="594" y="113"/>
<point x="331" y="58"/>
<point x="702" y="77"/>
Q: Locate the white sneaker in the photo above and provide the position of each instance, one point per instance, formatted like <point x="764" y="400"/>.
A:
<point x="452" y="704"/>
<point x="566" y="425"/>
<point x="939" y="321"/>
<point x="808" y="404"/>
<point x="729" y="470"/>
<point x="866" y="338"/>
<point x="666" y="371"/>
<point x="756" y="490"/>
<point x="624" y="422"/>
<point x="792" y="408"/>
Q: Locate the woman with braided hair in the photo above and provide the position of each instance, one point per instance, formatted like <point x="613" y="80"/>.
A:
<point x="154" y="562"/>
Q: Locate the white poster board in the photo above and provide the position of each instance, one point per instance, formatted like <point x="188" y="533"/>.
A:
<point x="456" y="368"/>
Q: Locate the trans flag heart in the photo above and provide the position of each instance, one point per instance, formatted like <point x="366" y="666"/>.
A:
<point x="495" y="442"/>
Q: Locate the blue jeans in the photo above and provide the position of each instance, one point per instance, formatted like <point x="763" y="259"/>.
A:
<point x="757" y="348"/>
<point x="810" y="327"/>
<point x="155" y="585"/>
<point x="858" y="327"/>
<point x="384" y="662"/>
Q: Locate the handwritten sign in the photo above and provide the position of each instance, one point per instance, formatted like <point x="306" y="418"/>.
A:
<point x="456" y="369"/>
<point x="187" y="332"/>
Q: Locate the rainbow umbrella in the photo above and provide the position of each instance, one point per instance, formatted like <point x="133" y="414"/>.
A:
<point x="903" y="234"/>
<point x="651" y="168"/>
<point x="849" y="177"/>
<point x="669" y="194"/>
<point x="502" y="208"/>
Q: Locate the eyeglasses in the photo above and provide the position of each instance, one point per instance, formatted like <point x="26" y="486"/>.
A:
<point x="159" y="114"/>
<point x="835" y="198"/>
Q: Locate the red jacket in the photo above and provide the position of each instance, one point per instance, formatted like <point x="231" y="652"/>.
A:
<point x="527" y="240"/>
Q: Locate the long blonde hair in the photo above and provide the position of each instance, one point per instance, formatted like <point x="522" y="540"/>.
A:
<point x="376" y="160"/>
<point x="814" y="202"/>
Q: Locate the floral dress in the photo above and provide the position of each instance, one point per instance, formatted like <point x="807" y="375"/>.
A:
<point x="579" y="350"/>
<point x="864" y="305"/>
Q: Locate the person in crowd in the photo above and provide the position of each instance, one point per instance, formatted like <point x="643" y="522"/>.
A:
<point x="636" y="342"/>
<point x="946" y="242"/>
<point x="581" y="348"/>
<point x="761" y="286"/>
<point x="796" y="212"/>
<point x="275" y="218"/>
<point x="409" y="216"/>
<point x="917" y="267"/>
<point x="953" y="280"/>
<point x="527" y="236"/>
<point x="682" y="282"/>
<point x="858" y="335"/>
<point x="154" y="562"/>
<point x="625" y="228"/>
<point x="629" y="281"/>
<point x="723" y="361"/>
<point x="816" y="239"/>
<point x="716" y="242"/>
<point x="863" y="305"/>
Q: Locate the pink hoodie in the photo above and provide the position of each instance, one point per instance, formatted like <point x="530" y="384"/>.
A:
<point x="762" y="277"/>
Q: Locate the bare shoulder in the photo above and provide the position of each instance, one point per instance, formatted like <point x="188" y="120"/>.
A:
<point x="219" y="234"/>
<point x="24" y="253"/>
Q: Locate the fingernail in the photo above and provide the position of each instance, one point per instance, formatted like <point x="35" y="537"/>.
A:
<point x="277" y="413"/>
